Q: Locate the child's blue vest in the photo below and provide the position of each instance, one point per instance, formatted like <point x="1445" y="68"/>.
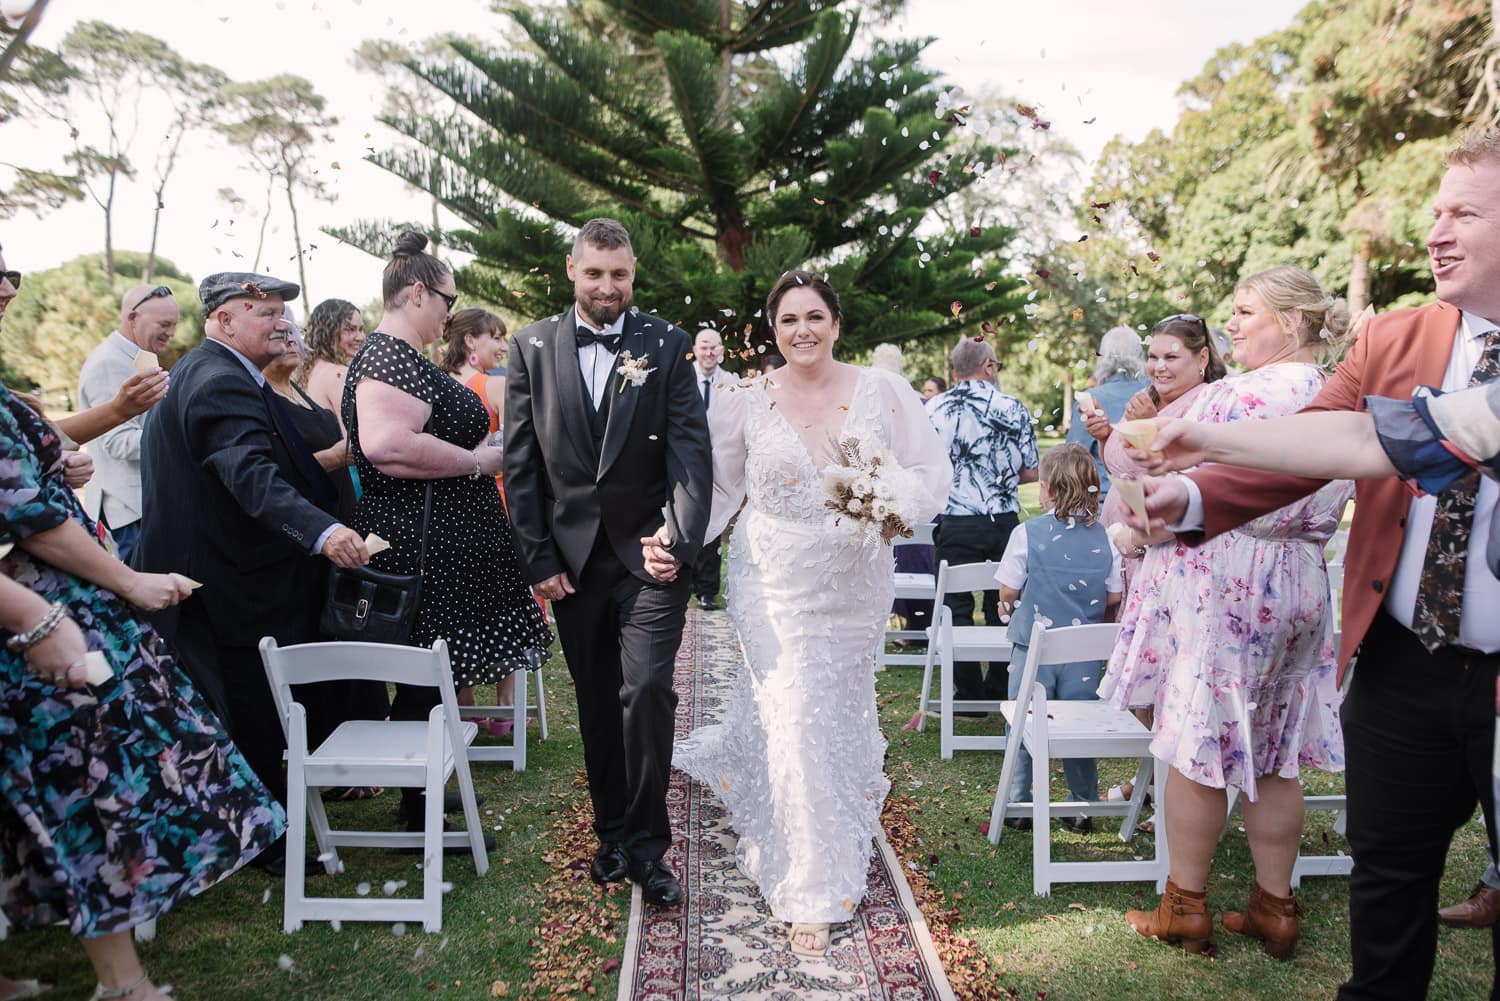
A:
<point x="1067" y="564"/>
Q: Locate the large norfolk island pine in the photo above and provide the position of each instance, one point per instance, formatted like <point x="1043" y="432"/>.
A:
<point x="735" y="140"/>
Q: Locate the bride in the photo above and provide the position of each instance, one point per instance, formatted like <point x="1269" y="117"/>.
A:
<point x="798" y="760"/>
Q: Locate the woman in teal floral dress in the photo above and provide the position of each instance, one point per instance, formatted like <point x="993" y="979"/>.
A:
<point x="121" y="798"/>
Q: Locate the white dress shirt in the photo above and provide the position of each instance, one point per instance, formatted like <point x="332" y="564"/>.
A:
<point x="714" y="379"/>
<point x="596" y="361"/>
<point x="1479" y="626"/>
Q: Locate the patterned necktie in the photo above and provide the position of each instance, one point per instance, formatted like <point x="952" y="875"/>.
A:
<point x="1440" y="595"/>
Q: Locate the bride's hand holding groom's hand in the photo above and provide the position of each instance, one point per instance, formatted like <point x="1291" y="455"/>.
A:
<point x="660" y="563"/>
<point x="554" y="588"/>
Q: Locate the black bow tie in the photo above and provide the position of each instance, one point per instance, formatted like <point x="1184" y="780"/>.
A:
<point x="610" y="342"/>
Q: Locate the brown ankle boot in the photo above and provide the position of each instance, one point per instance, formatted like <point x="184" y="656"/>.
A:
<point x="1181" y="916"/>
<point x="1270" y="918"/>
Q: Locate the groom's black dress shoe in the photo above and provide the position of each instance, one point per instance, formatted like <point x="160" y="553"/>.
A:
<point x="609" y="863"/>
<point x="658" y="885"/>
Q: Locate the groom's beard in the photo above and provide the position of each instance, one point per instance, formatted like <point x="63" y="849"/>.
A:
<point x="600" y="313"/>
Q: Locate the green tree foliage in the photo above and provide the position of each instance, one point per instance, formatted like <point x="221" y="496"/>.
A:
<point x="101" y="86"/>
<point x="278" y="122"/>
<point x="735" y="140"/>
<point x="63" y="313"/>
<point x="35" y="79"/>
<point x="1320" y="144"/>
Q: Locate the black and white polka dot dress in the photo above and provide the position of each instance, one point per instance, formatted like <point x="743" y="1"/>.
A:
<point x="472" y="592"/>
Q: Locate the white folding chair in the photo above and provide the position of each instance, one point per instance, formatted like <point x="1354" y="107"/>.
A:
<point x="372" y="753"/>
<point x="912" y="586"/>
<point x="1066" y="729"/>
<point x="520" y="709"/>
<point x="970" y="643"/>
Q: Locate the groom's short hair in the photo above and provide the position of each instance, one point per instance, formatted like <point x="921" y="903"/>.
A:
<point x="605" y="234"/>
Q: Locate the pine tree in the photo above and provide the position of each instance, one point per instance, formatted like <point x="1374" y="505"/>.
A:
<point x="735" y="140"/>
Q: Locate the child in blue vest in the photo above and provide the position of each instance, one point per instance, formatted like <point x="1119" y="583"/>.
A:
<point x="1061" y="569"/>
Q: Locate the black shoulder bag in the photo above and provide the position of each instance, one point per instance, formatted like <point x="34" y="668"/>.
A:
<point x="375" y="607"/>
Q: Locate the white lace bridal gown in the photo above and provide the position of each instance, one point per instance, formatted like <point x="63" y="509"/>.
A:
<point x="798" y="758"/>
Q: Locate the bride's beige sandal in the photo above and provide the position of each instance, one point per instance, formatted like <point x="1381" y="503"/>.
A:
<point x="816" y="937"/>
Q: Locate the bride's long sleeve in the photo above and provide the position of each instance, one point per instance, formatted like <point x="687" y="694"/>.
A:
<point x="917" y="447"/>
<point x="726" y="427"/>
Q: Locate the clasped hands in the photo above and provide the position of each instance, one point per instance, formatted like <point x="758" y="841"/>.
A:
<point x="660" y="563"/>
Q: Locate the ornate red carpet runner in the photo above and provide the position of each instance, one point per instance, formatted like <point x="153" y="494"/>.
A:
<point x="723" y="943"/>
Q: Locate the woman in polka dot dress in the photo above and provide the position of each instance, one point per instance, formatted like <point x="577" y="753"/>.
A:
<point x="410" y="424"/>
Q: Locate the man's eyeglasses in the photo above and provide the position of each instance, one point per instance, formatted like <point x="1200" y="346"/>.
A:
<point x="14" y="277"/>
<point x="449" y="300"/>
<point x="160" y="292"/>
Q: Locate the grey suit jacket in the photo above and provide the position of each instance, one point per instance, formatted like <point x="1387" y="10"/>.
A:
<point x="116" y="485"/>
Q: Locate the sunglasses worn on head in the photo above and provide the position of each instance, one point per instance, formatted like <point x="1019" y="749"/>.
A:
<point x="1185" y="317"/>
<point x="14" y="277"/>
<point x="160" y="292"/>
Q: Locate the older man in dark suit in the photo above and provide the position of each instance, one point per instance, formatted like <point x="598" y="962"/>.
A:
<point x="237" y="502"/>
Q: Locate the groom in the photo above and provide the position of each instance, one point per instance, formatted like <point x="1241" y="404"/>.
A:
<point x="606" y="444"/>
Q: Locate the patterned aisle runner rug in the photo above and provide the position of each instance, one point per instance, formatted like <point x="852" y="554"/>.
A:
<point x="723" y="942"/>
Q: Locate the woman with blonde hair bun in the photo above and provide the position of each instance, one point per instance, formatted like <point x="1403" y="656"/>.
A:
<point x="1231" y="643"/>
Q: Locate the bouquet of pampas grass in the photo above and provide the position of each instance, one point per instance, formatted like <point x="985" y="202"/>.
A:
<point x="869" y="490"/>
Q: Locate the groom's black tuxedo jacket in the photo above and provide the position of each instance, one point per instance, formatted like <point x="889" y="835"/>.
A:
<point x="564" y="478"/>
<point x="227" y="481"/>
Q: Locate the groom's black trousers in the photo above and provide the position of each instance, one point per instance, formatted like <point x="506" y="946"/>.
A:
<point x="620" y="636"/>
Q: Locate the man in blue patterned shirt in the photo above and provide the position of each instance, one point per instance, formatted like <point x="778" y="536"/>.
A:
<point x="993" y="449"/>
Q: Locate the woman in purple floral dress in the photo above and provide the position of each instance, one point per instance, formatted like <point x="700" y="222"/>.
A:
<point x="1231" y="643"/>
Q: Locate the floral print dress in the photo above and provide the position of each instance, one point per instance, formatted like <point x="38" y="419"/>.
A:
<point x="122" y="798"/>
<point x="1232" y="641"/>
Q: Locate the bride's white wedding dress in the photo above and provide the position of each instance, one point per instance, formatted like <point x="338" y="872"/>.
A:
<point x="798" y="758"/>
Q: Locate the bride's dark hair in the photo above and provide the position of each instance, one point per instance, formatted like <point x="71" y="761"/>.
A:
<point x="802" y="279"/>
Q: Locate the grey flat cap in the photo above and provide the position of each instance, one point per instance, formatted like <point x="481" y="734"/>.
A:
<point x="217" y="289"/>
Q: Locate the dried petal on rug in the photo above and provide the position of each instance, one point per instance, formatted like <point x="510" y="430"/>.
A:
<point x="580" y="917"/>
<point x="968" y="967"/>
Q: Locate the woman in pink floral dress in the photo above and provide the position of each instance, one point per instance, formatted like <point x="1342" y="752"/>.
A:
<point x="1232" y="642"/>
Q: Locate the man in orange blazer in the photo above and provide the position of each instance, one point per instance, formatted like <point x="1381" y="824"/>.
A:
<point x="1421" y="610"/>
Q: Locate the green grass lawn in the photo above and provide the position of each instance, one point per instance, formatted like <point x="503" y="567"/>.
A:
<point x="226" y="944"/>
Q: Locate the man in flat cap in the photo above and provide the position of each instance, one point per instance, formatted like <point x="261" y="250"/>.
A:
<point x="236" y="501"/>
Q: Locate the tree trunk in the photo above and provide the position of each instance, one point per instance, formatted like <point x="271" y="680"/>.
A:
<point x="297" y="238"/>
<point x="109" y="232"/>
<point x="161" y="189"/>
<point x="734" y="237"/>
<point x="726" y="60"/>
<point x="1067" y="384"/>
<point x="1359" y="276"/>
<point x="15" y="45"/>
<point x="265" y="218"/>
